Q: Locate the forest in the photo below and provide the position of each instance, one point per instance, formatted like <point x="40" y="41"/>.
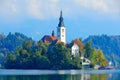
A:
<point x="9" y="43"/>
<point x="110" y="45"/>
<point x="39" y="55"/>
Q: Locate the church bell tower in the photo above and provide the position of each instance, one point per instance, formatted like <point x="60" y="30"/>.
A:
<point x="61" y="30"/>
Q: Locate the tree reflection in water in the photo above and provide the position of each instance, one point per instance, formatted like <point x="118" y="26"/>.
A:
<point x="61" y="77"/>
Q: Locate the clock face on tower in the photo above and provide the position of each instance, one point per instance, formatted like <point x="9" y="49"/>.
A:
<point x="62" y="30"/>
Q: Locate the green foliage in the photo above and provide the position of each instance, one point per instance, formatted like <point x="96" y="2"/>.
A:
<point x="97" y="57"/>
<point x="60" y="57"/>
<point x="10" y="42"/>
<point x="27" y="58"/>
<point x="27" y="45"/>
<point x="1" y="60"/>
<point x="76" y="62"/>
<point x="10" y="61"/>
<point x="110" y="45"/>
<point x="88" y="49"/>
<point x="98" y="77"/>
<point x="44" y="56"/>
<point x="39" y="62"/>
<point x="39" y="55"/>
<point x="43" y="47"/>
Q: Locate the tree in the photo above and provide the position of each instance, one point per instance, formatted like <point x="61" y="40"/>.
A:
<point x="43" y="47"/>
<point x="76" y="62"/>
<point x="1" y="60"/>
<point x="88" y="49"/>
<point x="50" y="56"/>
<point x="102" y="59"/>
<point x="97" y="57"/>
<point x="43" y="63"/>
<point x="10" y="61"/>
<point x="39" y="62"/>
<point x="28" y="57"/>
<point x="27" y="45"/>
<point x="59" y="56"/>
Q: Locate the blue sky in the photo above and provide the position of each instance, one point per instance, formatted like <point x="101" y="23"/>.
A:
<point x="36" y="18"/>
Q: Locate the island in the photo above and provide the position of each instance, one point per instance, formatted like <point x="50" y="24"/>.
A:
<point x="53" y="52"/>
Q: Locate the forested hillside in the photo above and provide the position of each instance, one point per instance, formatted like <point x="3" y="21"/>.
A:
<point x="110" y="46"/>
<point x="55" y="55"/>
<point x="9" y="43"/>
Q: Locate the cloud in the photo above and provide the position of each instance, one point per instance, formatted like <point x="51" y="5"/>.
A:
<point x="41" y="9"/>
<point x="47" y="9"/>
<point x="102" y="6"/>
<point x="8" y="7"/>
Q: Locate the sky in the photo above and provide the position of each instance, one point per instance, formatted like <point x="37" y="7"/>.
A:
<point x="36" y="18"/>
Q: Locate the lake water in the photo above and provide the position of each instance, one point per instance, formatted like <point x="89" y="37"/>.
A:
<point x="59" y="74"/>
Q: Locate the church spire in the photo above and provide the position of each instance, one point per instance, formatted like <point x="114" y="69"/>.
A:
<point x="61" y="22"/>
<point x="61" y="13"/>
<point x="61" y="30"/>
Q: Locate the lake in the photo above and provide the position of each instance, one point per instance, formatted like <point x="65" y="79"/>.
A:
<point x="59" y="74"/>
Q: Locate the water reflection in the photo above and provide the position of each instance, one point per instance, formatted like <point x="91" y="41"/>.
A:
<point x="62" y="77"/>
<point x="59" y="75"/>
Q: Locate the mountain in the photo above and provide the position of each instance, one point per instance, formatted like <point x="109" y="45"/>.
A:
<point x="9" y="43"/>
<point x="110" y="45"/>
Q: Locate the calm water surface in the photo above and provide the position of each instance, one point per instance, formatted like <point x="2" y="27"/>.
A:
<point x="59" y="74"/>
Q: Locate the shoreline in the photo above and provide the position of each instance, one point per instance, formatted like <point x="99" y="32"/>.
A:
<point x="52" y="72"/>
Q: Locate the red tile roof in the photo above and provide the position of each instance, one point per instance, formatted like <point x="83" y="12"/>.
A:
<point x="48" y="38"/>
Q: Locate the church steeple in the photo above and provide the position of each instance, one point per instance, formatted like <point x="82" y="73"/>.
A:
<point x="61" y="22"/>
<point x="61" y="30"/>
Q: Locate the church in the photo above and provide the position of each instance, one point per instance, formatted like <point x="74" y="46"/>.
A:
<point x="61" y="33"/>
<point x="61" y="37"/>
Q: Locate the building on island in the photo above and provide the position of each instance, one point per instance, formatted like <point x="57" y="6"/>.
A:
<point x="85" y="61"/>
<point x="61" y="33"/>
<point x="61" y="37"/>
<point x="49" y="38"/>
<point x="74" y="48"/>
